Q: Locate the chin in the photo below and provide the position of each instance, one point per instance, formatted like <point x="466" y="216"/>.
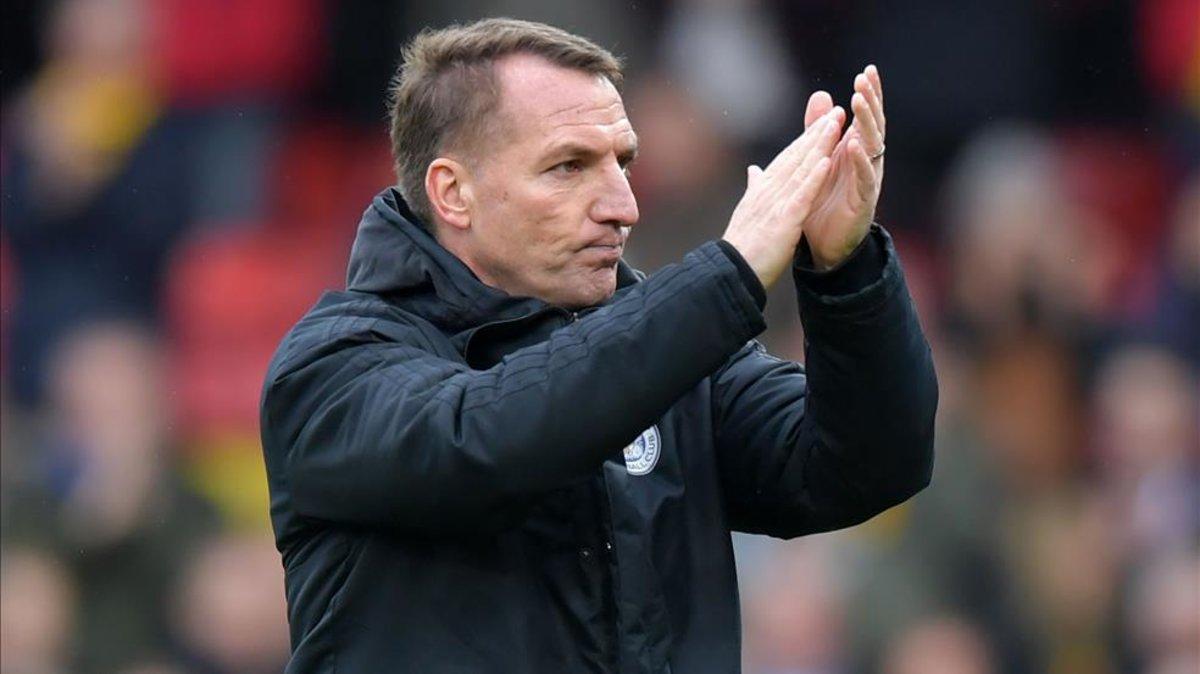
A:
<point x="596" y="291"/>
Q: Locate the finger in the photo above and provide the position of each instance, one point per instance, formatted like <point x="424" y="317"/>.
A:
<point x="821" y="148"/>
<point x="851" y="133"/>
<point x="864" y="121"/>
<point x="867" y="89"/>
<point x="864" y="173"/>
<point x="753" y="175"/>
<point x="863" y="85"/>
<point x="786" y="161"/>
<point x="830" y="122"/>
<point x="796" y="146"/>
<point x="802" y="198"/>
<point x="818" y="104"/>
<point x="876" y="83"/>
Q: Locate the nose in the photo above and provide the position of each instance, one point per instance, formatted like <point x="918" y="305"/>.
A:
<point x="615" y="204"/>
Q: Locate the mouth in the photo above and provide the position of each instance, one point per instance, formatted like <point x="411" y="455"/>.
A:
<point x="609" y="248"/>
<point x="607" y="252"/>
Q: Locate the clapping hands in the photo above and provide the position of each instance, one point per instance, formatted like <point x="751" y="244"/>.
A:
<point x="844" y="208"/>
<point x="823" y="186"/>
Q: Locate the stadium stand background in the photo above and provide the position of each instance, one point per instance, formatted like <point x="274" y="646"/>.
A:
<point x="181" y="178"/>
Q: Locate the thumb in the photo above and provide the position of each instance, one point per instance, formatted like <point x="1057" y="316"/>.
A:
<point x="753" y="173"/>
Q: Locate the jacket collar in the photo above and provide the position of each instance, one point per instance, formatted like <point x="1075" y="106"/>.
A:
<point x="395" y="256"/>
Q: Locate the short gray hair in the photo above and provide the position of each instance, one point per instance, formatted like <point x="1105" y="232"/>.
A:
<point x="445" y="89"/>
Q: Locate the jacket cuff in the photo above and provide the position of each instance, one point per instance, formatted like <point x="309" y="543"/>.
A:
<point x="749" y="278"/>
<point x="743" y="303"/>
<point x="864" y="281"/>
<point x="861" y="268"/>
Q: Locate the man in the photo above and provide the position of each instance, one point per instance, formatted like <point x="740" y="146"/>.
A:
<point x="502" y="450"/>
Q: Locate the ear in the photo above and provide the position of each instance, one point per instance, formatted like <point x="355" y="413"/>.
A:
<point x="448" y="188"/>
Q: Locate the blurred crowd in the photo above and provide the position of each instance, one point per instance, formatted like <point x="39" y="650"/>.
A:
<point x="181" y="179"/>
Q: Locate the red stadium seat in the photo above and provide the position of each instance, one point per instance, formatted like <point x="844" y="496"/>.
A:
<point x="233" y="292"/>
<point x="215" y="50"/>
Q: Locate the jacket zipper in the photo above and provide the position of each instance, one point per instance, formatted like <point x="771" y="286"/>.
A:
<point x="611" y="563"/>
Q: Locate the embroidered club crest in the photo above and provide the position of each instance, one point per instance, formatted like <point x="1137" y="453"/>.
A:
<point x="642" y="453"/>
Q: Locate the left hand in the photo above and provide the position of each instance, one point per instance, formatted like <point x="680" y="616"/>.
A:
<point x="845" y="207"/>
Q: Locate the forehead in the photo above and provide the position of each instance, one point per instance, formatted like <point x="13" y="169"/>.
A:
<point x="543" y="101"/>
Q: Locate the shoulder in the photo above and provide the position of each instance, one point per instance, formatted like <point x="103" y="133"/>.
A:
<point x="341" y="321"/>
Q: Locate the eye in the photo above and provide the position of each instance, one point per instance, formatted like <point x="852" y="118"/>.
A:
<point x="626" y="164"/>
<point x="569" y="166"/>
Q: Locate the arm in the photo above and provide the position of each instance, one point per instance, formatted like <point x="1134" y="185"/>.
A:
<point x="377" y="431"/>
<point x="808" y="452"/>
<point x="374" y="430"/>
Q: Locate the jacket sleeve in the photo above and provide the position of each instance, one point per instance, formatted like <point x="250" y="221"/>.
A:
<point x="803" y="452"/>
<point x="383" y="432"/>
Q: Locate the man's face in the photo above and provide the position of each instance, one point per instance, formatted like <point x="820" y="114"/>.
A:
<point x="551" y="205"/>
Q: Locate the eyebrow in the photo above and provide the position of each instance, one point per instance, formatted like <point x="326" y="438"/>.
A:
<point x="572" y="148"/>
<point x="630" y="155"/>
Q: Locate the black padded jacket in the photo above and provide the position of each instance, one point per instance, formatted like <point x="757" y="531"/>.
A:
<point x="466" y="481"/>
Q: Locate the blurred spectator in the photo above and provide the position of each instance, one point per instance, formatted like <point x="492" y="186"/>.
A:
<point x="687" y="176"/>
<point x="1029" y="413"/>
<point x="794" y="612"/>
<point x="229" y="611"/>
<point x="1148" y="441"/>
<point x="1119" y="183"/>
<point x="93" y="185"/>
<point x="208" y="160"/>
<point x="1022" y="252"/>
<point x="1061" y="548"/>
<point x="1175" y="312"/>
<point x="105" y="495"/>
<point x="1164" y="616"/>
<point x="37" y="607"/>
<point x="942" y="551"/>
<point x="729" y="55"/>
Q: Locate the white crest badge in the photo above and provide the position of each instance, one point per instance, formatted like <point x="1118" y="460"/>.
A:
<point x="642" y="453"/>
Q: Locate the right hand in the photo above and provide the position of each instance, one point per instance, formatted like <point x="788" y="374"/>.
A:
<point x="766" y="225"/>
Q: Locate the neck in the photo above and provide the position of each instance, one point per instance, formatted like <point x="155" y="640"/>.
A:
<point x="455" y="242"/>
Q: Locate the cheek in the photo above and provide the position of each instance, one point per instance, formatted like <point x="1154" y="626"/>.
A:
<point x="538" y="223"/>
<point x="540" y="228"/>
